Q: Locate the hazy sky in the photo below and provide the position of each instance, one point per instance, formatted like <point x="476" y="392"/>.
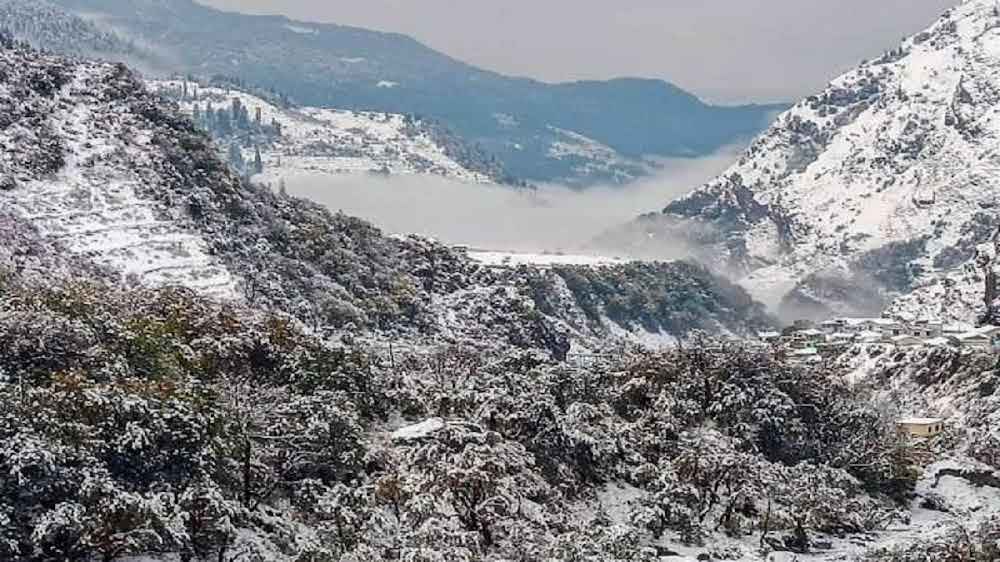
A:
<point x="723" y="50"/>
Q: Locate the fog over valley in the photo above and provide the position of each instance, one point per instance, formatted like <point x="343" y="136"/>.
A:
<point x="287" y="290"/>
<point x="550" y="218"/>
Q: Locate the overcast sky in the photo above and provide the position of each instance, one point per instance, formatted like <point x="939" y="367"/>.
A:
<point x="723" y="50"/>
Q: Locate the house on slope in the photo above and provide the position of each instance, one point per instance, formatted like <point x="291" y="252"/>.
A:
<point x="921" y="427"/>
<point x="769" y="337"/>
<point x="943" y="341"/>
<point x="888" y="327"/>
<point x="805" y="356"/>
<point x="926" y="329"/>
<point x="906" y="340"/>
<point x="986" y="338"/>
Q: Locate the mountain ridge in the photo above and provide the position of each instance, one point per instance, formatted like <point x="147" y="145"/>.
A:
<point x="883" y="181"/>
<point x="328" y="65"/>
<point x="96" y="162"/>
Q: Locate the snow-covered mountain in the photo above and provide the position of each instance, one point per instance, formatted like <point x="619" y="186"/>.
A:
<point x="883" y="185"/>
<point x="294" y="140"/>
<point x="99" y="165"/>
<point x="81" y="163"/>
<point x="580" y="132"/>
<point x="42" y="23"/>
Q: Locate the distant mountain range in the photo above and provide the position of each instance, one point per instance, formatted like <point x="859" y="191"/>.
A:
<point x="579" y="133"/>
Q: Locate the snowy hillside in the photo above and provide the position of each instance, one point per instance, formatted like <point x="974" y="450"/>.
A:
<point x="495" y="258"/>
<point x="589" y="158"/>
<point x="882" y="185"/>
<point x="42" y="23"/>
<point x="80" y="165"/>
<point x="327" y="65"/>
<point x="100" y="166"/>
<point x="325" y="141"/>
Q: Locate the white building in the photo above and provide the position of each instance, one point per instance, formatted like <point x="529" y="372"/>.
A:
<point x="921" y="427"/>
<point x="906" y="341"/>
<point x="986" y="338"/>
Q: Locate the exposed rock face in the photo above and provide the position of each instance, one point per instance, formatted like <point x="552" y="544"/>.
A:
<point x="889" y="176"/>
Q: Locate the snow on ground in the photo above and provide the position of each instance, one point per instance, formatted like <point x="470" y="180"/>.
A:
<point x="968" y="505"/>
<point x="646" y="339"/>
<point x="590" y="155"/>
<point x="302" y="30"/>
<point x="94" y="207"/>
<point x="332" y="141"/>
<point x="419" y="430"/>
<point x="903" y="148"/>
<point x="541" y="259"/>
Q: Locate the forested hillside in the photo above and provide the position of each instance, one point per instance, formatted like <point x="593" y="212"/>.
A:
<point x="102" y="165"/>
<point x="581" y="133"/>
<point x="264" y="135"/>
<point x="160" y="422"/>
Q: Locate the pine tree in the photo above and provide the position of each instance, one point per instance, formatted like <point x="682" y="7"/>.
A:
<point x="236" y="157"/>
<point x="258" y="164"/>
<point x="209" y="118"/>
<point x="223" y="123"/>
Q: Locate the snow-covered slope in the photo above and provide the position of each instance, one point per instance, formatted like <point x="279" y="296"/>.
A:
<point x="882" y="185"/>
<point x="92" y="162"/>
<point x="42" y="23"/>
<point x="325" y="141"/>
<point x="80" y="164"/>
<point x="591" y="158"/>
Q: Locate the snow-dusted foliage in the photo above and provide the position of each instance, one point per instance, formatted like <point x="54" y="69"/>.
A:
<point x="51" y="27"/>
<point x="275" y="140"/>
<point x="95" y="162"/>
<point x="155" y="421"/>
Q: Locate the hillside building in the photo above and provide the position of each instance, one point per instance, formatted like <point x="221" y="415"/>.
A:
<point x="921" y="427"/>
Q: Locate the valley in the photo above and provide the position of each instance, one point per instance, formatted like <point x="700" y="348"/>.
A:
<point x="237" y="326"/>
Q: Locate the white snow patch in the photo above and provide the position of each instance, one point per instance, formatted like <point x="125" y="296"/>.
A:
<point x="419" y="430"/>
<point x="514" y="259"/>
<point x="302" y="30"/>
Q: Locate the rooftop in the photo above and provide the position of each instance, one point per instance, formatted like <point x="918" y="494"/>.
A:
<point x="920" y="421"/>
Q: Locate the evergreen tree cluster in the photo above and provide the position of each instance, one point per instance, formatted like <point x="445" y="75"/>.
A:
<point x="158" y="422"/>
<point x="233" y="126"/>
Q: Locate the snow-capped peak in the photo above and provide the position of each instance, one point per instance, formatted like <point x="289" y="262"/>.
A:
<point x="888" y="179"/>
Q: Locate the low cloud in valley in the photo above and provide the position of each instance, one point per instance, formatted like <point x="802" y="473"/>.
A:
<point x="553" y="218"/>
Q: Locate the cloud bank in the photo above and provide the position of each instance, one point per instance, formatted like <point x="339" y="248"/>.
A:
<point x="551" y="219"/>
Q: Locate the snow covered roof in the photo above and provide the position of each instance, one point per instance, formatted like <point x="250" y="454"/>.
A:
<point x="805" y="352"/>
<point x="939" y="342"/>
<point x="983" y="332"/>
<point x="864" y="321"/>
<point x="769" y="335"/>
<point x="920" y="421"/>
<point x="419" y="430"/>
<point x="957" y="328"/>
<point x="810" y="332"/>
